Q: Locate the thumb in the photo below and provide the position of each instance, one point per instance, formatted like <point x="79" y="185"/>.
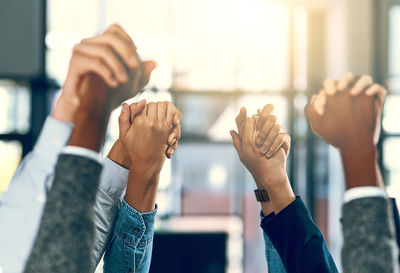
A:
<point x="237" y="142"/>
<point x="314" y="118"/>
<point x="139" y="107"/>
<point x="124" y="120"/>
<point x="148" y="67"/>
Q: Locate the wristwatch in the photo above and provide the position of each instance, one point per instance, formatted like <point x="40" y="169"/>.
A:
<point x="261" y="195"/>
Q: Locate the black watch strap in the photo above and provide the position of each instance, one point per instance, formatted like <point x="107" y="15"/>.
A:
<point x="261" y="195"/>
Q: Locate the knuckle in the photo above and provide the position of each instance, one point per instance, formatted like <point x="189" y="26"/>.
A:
<point x="272" y="118"/>
<point x="367" y="77"/>
<point x="98" y="62"/>
<point x="76" y="48"/>
<point x="114" y="27"/>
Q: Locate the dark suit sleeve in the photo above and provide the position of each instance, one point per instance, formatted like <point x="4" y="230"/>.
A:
<point x="298" y="240"/>
<point x="66" y="233"/>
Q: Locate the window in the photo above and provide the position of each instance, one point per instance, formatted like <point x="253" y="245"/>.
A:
<point x="14" y="125"/>
<point x="390" y="124"/>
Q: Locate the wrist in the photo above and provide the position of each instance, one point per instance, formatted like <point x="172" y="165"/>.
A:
<point x="280" y="193"/>
<point x="271" y="179"/>
<point x="119" y="155"/>
<point x="92" y="116"/>
<point x="360" y="165"/>
<point x="90" y="129"/>
<point x="267" y="208"/>
<point x="141" y="192"/>
<point x="65" y="108"/>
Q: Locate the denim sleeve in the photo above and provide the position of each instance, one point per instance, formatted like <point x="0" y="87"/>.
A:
<point x="22" y="204"/>
<point x="274" y="261"/>
<point x="113" y="181"/>
<point x="130" y="247"/>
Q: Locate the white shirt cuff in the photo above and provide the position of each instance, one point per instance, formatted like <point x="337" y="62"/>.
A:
<point x="363" y="192"/>
<point x="114" y="177"/>
<point x="80" y="151"/>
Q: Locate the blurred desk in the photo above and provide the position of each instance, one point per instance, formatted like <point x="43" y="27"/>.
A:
<point x="206" y="244"/>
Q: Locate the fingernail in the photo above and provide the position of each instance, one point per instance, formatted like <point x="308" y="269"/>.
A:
<point x="263" y="149"/>
<point x="123" y="108"/>
<point x="114" y="82"/>
<point x="269" y="154"/>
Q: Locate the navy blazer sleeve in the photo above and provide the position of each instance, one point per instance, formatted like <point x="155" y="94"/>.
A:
<point x="298" y="240"/>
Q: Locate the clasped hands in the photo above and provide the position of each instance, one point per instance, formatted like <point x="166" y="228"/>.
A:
<point x="347" y="113"/>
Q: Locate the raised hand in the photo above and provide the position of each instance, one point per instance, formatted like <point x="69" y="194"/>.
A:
<point x="347" y="113"/>
<point x="270" y="135"/>
<point x="268" y="173"/>
<point x="109" y="60"/>
<point x="258" y="165"/>
<point x="144" y="137"/>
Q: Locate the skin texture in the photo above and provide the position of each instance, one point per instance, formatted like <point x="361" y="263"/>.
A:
<point x="145" y="140"/>
<point x="270" y="136"/>
<point x="268" y="173"/>
<point x="111" y="58"/>
<point x="118" y="152"/>
<point x="104" y="71"/>
<point x="347" y="114"/>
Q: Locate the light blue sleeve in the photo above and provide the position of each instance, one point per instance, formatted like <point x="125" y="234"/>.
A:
<point x="131" y="244"/>
<point x="274" y="261"/>
<point x="113" y="181"/>
<point x="22" y="204"/>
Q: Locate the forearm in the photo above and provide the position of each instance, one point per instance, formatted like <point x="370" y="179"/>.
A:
<point x="141" y="191"/>
<point x="360" y="166"/>
<point x="266" y="207"/>
<point x="280" y="192"/>
<point x="65" y="108"/>
<point x="92" y="115"/>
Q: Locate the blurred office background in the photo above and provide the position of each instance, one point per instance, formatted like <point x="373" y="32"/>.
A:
<point x="213" y="56"/>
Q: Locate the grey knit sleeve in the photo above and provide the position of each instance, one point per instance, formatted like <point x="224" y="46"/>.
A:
<point x="66" y="233"/>
<point x="369" y="236"/>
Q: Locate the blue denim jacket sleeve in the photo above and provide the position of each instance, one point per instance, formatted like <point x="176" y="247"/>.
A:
<point x="274" y="261"/>
<point x="131" y="244"/>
